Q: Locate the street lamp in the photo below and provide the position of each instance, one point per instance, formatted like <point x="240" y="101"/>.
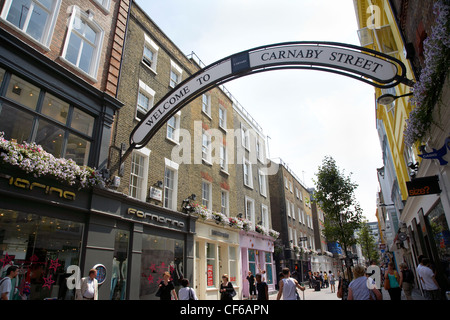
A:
<point x="389" y="98"/>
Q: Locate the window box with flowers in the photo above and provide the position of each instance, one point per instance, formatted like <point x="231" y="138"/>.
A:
<point x="33" y="159"/>
<point x="233" y="222"/>
<point x="428" y="89"/>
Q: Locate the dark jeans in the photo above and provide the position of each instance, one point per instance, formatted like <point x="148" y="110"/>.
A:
<point x="432" y="294"/>
<point x="395" y="293"/>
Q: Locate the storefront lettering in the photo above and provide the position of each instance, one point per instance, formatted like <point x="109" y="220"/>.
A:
<point x="155" y="217"/>
<point x="27" y="185"/>
<point x="220" y="234"/>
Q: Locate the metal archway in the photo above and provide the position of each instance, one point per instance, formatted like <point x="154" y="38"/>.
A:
<point x="372" y="67"/>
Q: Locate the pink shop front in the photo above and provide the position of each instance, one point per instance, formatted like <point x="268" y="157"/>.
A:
<point x="257" y="256"/>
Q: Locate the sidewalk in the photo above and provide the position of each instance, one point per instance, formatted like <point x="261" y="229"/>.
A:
<point x="326" y="294"/>
<point x="310" y="294"/>
<point x="416" y="295"/>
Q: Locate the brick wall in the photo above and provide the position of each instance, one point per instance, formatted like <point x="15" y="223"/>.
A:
<point x="113" y="24"/>
<point x="190" y="175"/>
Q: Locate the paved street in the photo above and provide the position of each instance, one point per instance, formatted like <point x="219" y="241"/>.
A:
<point x="310" y="294"/>
<point x="326" y="294"/>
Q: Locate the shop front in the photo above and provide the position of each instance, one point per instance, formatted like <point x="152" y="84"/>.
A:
<point x="42" y="231"/>
<point x="154" y="240"/>
<point x="56" y="233"/>
<point x="216" y="253"/>
<point x="257" y="257"/>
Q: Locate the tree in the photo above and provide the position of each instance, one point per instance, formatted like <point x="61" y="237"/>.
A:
<point x="367" y="243"/>
<point x="334" y="193"/>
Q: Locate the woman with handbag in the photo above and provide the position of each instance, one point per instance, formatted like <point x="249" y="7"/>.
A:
<point x="227" y="291"/>
<point x="166" y="289"/>
<point x="391" y="282"/>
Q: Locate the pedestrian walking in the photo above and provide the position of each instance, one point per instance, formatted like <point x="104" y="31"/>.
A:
<point x="430" y="286"/>
<point x="6" y="284"/>
<point x="362" y="287"/>
<point x="288" y="287"/>
<point x="332" y="281"/>
<point x="186" y="293"/>
<point x="262" y="288"/>
<point x="325" y="280"/>
<point x="88" y="287"/>
<point x="343" y="285"/>
<point x="391" y="282"/>
<point x="227" y="291"/>
<point x="251" y="285"/>
<point x="310" y="277"/>
<point x="406" y="280"/>
<point x="166" y="290"/>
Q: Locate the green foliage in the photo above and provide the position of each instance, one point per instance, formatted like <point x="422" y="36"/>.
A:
<point x="334" y="193"/>
<point x="367" y="242"/>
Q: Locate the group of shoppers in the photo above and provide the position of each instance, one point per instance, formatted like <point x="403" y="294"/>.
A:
<point x="363" y="287"/>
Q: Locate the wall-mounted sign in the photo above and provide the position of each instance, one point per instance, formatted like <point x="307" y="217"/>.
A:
<point x="153" y="217"/>
<point x="375" y="68"/>
<point x="220" y="234"/>
<point x="423" y="186"/>
<point x="155" y="194"/>
<point x="438" y="154"/>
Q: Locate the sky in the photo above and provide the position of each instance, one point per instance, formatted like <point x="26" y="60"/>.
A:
<point x="306" y="114"/>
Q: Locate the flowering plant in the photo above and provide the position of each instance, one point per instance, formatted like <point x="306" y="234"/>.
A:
<point x="32" y="158"/>
<point x="234" y="222"/>
<point x="220" y="218"/>
<point x="427" y="91"/>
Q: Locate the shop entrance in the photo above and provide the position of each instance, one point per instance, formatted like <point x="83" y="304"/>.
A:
<point x="42" y="247"/>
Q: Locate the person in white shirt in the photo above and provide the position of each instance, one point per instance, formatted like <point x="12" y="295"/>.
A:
<point x="288" y="287"/>
<point x="186" y="293"/>
<point x="5" y="283"/>
<point x="429" y="284"/>
<point x="89" y="287"/>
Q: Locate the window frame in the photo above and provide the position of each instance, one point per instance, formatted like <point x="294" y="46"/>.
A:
<point x="247" y="164"/>
<point x="227" y="204"/>
<point x="145" y="154"/>
<point x="206" y="149"/>
<point x="154" y="49"/>
<point x="173" y="167"/>
<point x="49" y="27"/>
<point x="37" y="113"/>
<point x="149" y="93"/>
<point x="176" y="128"/>
<point x="206" y="106"/>
<point x="252" y="216"/>
<point x="96" y="56"/>
<point x="208" y="204"/>
<point x="262" y="183"/>
<point x="223" y="119"/>
<point x="175" y="69"/>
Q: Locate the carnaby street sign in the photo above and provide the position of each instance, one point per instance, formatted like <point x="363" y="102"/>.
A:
<point x="363" y="64"/>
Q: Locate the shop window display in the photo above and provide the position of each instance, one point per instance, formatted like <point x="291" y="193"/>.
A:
<point x="441" y="235"/>
<point x="43" y="248"/>
<point x="120" y="266"/>
<point x="160" y="254"/>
